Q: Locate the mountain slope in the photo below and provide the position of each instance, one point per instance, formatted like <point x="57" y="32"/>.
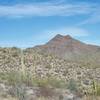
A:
<point x="69" y="48"/>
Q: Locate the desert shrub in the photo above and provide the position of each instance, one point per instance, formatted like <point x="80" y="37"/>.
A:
<point x="42" y="82"/>
<point x="57" y="83"/>
<point x="95" y="89"/>
<point x="3" y="76"/>
<point x="13" y="78"/>
<point x="18" y="91"/>
<point x="10" y="78"/>
<point x="98" y="91"/>
<point x="52" y="82"/>
<point x="72" y="85"/>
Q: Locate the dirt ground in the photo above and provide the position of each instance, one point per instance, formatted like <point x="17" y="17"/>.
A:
<point x="91" y="98"/>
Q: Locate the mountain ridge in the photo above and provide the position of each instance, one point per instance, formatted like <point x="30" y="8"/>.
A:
<point x="67" y="47"/>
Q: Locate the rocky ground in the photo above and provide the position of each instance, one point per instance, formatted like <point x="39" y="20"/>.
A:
<point x="23" y="92"/>
<point x="45" y="76"/>
<point x="37" y="93"/>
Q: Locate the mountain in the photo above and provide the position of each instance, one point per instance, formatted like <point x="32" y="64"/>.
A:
<point x="69" y="48"/>
<point x="62" y="59"/>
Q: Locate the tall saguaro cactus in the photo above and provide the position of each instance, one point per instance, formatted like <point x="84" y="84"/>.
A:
<point x="22" y="63"/>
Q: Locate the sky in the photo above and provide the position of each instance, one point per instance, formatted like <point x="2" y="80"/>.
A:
<point x="26" y="23"/>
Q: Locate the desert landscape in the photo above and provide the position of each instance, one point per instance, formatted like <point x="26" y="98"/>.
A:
<point x="49" y="49"/>
<point x="46" y="72"/>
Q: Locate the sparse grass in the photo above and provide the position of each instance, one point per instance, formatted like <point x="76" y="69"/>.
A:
<point x="17" y="80"/>
<point x="13" y="78"/>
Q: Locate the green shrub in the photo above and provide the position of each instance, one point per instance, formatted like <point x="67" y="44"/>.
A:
<point x="3" y="76"/>
<point x="57" y="83"/>
<point x="13" y="78"/>
<point x="52" y="82"/>
<point x="72" y="85"/>
<point x="98" y="90"/>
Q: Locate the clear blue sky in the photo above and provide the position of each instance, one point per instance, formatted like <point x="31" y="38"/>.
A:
<point x="26" y="23"/>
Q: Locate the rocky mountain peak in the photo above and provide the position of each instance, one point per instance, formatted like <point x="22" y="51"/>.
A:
<point x="68" y="37"/>
<point x="59" y="36"/>
<point x="60" y="39"/>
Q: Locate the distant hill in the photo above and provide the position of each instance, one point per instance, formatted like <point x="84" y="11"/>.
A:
<point x="69" y="48"/>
